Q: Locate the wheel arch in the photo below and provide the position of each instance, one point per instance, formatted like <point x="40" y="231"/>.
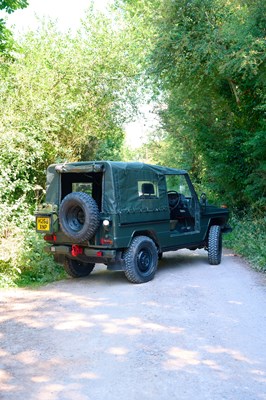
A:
<point x="149" y="233"/>
<point x="215" y="221"/>
<point x="221" y="221"/>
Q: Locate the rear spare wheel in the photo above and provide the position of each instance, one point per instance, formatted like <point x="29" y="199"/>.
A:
<point x="79" y="216"/>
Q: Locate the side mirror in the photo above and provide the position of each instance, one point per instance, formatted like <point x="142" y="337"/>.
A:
<point x="203" y="199"/>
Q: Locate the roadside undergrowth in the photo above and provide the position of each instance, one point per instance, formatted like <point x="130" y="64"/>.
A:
<point x="248" y="239"/>
<point x="23" y="261"/>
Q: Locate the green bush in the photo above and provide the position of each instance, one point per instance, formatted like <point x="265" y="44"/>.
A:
<point x="248" y="239"/>
<point x="37" y="266"/>
<point x="23" y="260"/>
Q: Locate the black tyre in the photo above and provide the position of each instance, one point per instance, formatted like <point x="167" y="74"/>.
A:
<point x="141" y="260"/>
<point x="79" y="216"/>
<point x="215" y="245"/>
<point x="76" y="268"/>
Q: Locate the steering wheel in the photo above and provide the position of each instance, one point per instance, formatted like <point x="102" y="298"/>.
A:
<point x="173" y="199"/>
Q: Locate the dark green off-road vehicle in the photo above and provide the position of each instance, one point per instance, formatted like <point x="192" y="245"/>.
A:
<point x="125" y="215"/>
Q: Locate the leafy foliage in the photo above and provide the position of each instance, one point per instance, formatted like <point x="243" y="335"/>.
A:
<point x="23" y="260"/>
<point x="208" y="59"/>
<point x="6" y="39"/>
<point x="249" y="239"/>
<point x="64" y="98"/>
<point x="11" y="5"/>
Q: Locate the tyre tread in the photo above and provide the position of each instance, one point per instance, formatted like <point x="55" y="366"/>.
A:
<point x="214" y="245"/>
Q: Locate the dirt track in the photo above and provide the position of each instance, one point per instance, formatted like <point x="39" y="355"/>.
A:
<point x="195" y="332"/>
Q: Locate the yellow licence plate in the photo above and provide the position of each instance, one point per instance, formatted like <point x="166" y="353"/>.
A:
<point x="43" y="224"/>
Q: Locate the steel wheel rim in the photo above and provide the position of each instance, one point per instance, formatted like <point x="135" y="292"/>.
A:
<point x="75" y="218"/>
<point x="144" y="260"/>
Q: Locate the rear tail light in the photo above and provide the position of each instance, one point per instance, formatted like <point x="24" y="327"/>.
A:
<point x="50" y="238"/>
<point x="106" y="241"/>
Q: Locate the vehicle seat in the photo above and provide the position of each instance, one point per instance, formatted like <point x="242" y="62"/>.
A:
<point x="147" y="190"/>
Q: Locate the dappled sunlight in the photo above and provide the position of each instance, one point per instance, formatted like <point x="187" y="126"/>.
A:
<point x="5" y="379"/>
<point x="118" y="351"/>
<point x="238" y="303"/>
<point x="27" y="357"/>
<point x="90" y="303"/>
<point x="51" y="392"/>
<point x="180" y="358"/>
<point x="47" y="307"/>
<point x="48" y="310"/>
<point x="3" y="353"/>
<point x="100" y="317"/>
<point x="136" y="326"/>
<point x="259" y="376"/>
<point x="212" y="365"/>
<point x="48" y="335"/>
<point x="117" y="327"/>
<point x="73" y="321"/>
<point x="80" y="339"/>
<point x="234" y="354"/>
<point x="192" y="361"/>
<point x="31" y="369"/>
<point x="88" y="375"/>
<point x="40" y="379"/>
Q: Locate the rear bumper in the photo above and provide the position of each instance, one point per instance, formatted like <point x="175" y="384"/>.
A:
<point x="94" y="255"/>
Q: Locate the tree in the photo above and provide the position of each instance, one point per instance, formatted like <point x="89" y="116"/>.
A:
<point x="208" y="60"/>
<point x="6" y="40"/>
<point x="64" y="98"/>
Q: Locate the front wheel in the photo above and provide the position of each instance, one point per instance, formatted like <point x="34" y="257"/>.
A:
<point x="141" y="260"/>
<point x="76" y="268"/>
<point x="215" y="245"/>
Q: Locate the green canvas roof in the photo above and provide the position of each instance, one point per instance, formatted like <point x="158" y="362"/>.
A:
<point x="97" y="166"/>
<point x="120" y="181"/>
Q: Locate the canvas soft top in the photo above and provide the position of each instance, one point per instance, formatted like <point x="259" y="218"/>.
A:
<point x="120" y="192"/>
<point x="98" y="166"/>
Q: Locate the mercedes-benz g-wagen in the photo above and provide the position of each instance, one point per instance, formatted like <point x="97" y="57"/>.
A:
<point x="125" y="215"/>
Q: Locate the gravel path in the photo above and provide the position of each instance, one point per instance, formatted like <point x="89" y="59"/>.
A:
<point x="195" y="332"/>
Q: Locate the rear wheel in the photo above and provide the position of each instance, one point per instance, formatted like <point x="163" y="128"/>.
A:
<point x="141" y="260"/>
<point x="76" y="268"/>
<point x="215" y="245"/>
